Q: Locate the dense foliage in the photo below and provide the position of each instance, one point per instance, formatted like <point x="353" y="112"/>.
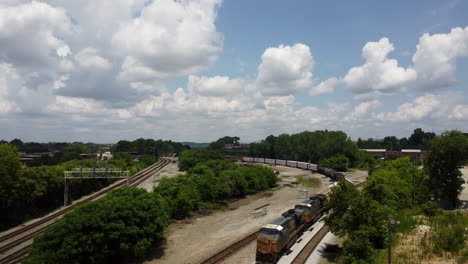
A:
<point x="418" y="140"/>
<point x="149" y="146"/>
<point x="337" y="162"/>
<point x="126" y="222"/>
<point x="395" y="187"/>
<point x="190" y="158"/>
<point x="208" y="183"/>
<point x="448" y="152"/>
<point x="362" y="215"/>
<point x="27" y="192"/>
<point x="309" y="147"/>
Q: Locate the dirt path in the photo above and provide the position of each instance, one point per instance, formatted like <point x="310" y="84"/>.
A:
<point x="193" y="240"/>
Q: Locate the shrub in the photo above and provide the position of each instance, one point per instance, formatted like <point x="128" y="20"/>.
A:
<point x="430" y="208"/>
<point x="358" y="249"/>
<point x="123" y="223"/>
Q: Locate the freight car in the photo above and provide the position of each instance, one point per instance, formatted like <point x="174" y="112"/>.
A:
<point x="330" y="173"/>
<point x="278" y="236"/>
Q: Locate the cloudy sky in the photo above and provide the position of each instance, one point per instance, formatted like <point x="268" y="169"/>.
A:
<point x="197" y="70"/>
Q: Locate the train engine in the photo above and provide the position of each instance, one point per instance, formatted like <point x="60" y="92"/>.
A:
<point x="278" y="236"/>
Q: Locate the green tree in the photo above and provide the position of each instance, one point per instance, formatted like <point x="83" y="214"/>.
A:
<point x="125" y="222"/>
<point x="338" y="162"/>
<point x="10" y="174"/>
<point x="70" y="156"/>
<point x="447" y="153"/>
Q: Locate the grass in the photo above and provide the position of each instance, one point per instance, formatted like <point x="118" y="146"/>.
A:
<point x="306" y="182"/>
<point x="444" y="239"/>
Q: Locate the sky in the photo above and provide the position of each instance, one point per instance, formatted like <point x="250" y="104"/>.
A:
<point x="198" y="70"/>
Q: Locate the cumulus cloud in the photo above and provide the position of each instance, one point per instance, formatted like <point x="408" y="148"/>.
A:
<point x="9" y="81"/>
<point x="89" y="57"/>
<point x="285" y="70"/>
<point x="422" y="107"/>
<point x="434" y="66"/>
<point x="436" y="56"/>
<point x="362" y="109"/>
<point x="215" y="86"/>
<point x="459" y="112"/>
<point x="31" y="35"/>
<point x="327" y="86"/>
<point x="169" y="38"/>
<point x="379" y="73"/>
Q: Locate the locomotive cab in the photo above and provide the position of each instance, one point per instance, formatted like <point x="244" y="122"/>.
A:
<point x="267" y="242"/>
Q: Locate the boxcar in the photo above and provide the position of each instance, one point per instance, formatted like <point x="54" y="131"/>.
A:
<point x="281" y="162"/>
<point x="291" y="163"/>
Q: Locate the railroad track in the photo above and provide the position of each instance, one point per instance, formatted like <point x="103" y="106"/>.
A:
<point x="218" y="257"/>
<point x="302" y="257"/>
<point x="15" y="245"/>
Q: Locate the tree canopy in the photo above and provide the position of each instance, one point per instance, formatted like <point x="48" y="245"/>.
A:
<point x="448" y="152"/>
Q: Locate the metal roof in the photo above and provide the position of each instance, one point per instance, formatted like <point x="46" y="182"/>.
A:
<point x="411" y="150"/>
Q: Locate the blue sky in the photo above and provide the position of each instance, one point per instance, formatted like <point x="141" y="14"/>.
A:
<point x="201" y="69"/>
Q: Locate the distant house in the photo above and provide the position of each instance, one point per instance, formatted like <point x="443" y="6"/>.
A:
<point x="391" y="154"/>
<point x="236" y="148"/>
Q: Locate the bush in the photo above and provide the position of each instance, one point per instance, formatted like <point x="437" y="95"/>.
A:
<point x="126" y="222"/>
<point x="358" y="249"/>
<point x="430" y="208"/>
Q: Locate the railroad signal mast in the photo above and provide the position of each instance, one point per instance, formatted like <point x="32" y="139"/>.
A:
<point x="89" y="174"/>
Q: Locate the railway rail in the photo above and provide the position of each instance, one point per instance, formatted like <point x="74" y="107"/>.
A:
<point x="221" y="255"/>
<point x="15" y="245"/>
<point x="304" y="254"/>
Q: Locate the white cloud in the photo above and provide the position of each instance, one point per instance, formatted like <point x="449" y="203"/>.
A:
<point x="379" y="73"/>
<point x="215" y="86"/>
<point x="169" y="38"/>
<point x="9" y="81"/>
<point x="89" y="57"/>
<point x="362" y="109"/>
<point x="31" y="35"/>
<point x="285" y="70"/>
<point x="327" y="86"/>
<point x="460" y="112"/>
<point x="422" y="107"/>
<point x="436" y="55"/>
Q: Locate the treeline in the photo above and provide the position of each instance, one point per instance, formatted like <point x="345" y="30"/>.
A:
<point x="128" y="221"/>
<point x="418" y="140"/>
<point x="333" y="148"/>
<point x="391" y="191"/>
<point x="28" y="192"/>
<point x="149" y="146"/>
<point x="34" y="147"/>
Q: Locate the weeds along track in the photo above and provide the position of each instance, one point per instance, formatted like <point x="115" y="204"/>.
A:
<point x="15" y="245"/>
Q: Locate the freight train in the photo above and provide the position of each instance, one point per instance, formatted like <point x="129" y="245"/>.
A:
<point x="278" y="236"/>
<point x="332" y="174"/>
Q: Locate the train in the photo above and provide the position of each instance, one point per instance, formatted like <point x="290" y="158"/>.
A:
<point x="330" y="173"/>
<point x="278" y="236"/>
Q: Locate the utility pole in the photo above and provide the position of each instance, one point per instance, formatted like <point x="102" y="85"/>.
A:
<point x="412" y="191"/>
